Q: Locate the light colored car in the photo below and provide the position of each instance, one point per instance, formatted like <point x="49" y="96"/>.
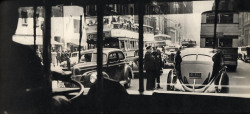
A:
<point x="114" y="65"/>
<point x="170" y="53"/>
<point x="196" y="73"/>
<point x="244" y="53"/>
<point x="73" y="58"/>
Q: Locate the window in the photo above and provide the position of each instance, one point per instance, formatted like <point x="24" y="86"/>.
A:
<point x="226" y="18"/>
<point x="209" y="42"/>
<point x="76" y="26"/>
<point x="121" y="55"/>
<point x="113" y="57"/>
<point x="225" y="42"/>
<point x="189" y="58"/>
<point x="190" y="29"/>
<point x="204" y="58"/>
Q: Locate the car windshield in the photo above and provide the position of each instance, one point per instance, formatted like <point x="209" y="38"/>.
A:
<point x="74" y="55"/>
<point x="118" y="38"/>
<point x="91" y="57"/>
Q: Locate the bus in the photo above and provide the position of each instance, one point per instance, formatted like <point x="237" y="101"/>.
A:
<point x="188" y="43"/>
<point x="226" y="35"/>
<point x="120" y="35"/>
<point x="162" y="40"/>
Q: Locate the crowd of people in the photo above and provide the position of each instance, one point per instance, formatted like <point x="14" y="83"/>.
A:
<point x="153" y="66"/>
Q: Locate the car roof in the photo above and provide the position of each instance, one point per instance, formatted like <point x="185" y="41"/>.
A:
<point x="204" y="51"/>
<point x="105" y="50"/>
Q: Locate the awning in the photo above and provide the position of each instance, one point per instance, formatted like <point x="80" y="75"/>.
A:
<point x="162" y="35"/>
<point x="29" y="40"/>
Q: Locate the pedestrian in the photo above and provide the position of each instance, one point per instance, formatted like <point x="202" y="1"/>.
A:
<point x="178" y="61"/>
<point x="149" y="67"/>
<point x="68" y="62"/>
<point x="163" y="49"/>
<point x="58" y="57"/>
<point x="157" y="66"/>
<point x="217" y="59"/>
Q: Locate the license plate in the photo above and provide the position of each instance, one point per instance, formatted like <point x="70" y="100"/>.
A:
<point x="195" y="75"/>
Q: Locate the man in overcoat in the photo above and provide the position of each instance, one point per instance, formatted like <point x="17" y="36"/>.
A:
<point x="149" y="67"/>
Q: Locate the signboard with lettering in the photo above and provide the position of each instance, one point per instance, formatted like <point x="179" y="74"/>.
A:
<point x="94" y="36"/>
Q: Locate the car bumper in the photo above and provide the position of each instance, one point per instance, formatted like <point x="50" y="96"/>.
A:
<point x="209" y="88"/>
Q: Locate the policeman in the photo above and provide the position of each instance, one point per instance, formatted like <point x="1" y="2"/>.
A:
<point x="158" y="66"/>
<point x="178" y="61"/>
<point x="217" y="59"/>
<point x="149" y="67"/>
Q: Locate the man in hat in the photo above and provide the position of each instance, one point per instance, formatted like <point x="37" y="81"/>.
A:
<point x="149" y="67"/>
<point x="217" y="59"/>
<point x="178" y="61"/>
<point x="157" y="65"/>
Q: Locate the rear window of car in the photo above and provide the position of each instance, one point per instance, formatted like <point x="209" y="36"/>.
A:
<point x="189" y="58"/>
<point x="204" y="58"/>
<point x="74" y="54"/>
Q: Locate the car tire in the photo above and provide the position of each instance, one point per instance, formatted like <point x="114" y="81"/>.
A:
<point x="128" y="84"/>
<point x="169" y="88"/>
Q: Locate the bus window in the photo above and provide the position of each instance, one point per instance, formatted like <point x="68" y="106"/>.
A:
<point x="225" y="42"/>
<point x="226" y="18"/>
<point x="209" y="42"/>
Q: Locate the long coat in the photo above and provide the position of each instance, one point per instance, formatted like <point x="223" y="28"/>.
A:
<point x="158" y="60"/>
<point x="149" y="61"/>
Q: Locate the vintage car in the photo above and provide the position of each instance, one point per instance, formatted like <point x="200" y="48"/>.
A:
<point x="197" y="74"/>
<point x="244" y="53"/>
<point x="114" y="65"/>
<point x="170" y="55"/>
<point x="73" y="59"/>
<point x="134" y="61"/>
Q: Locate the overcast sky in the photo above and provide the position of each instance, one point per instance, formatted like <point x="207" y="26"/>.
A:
<point x="191" y="23"/>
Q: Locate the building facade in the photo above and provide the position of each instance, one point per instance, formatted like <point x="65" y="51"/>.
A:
<point x="244" y="29"/>
<point x="65" y="27"/>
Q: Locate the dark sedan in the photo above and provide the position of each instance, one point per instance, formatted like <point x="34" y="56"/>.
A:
<point x="114" y="65"/>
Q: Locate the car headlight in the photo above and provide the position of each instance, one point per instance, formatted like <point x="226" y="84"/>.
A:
<point x="93" y="77"/>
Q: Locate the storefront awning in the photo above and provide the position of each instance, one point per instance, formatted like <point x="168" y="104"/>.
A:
<point x="29" y="40"/>
<point x="162" y="35"/>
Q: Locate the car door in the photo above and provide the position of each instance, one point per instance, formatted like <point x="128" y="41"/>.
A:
<point x="121" y="66"/>
<point x="112" y="68"/>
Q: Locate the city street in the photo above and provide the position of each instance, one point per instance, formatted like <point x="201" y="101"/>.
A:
<point x="239" y="81"/>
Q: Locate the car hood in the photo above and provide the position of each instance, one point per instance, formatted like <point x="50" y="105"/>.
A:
<point x="196" y="73"/>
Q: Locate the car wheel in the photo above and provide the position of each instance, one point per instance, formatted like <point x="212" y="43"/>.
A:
<point x="127" y="85"/>
<point x="169" y="88"/>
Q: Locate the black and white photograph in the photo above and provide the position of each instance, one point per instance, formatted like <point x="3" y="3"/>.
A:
<point x="124" y="56"/>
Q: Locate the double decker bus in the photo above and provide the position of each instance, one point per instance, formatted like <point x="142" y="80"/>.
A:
<point x="120" y="35"/>
<point x="162" y="40"/>
<point x="226" y="35"/>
